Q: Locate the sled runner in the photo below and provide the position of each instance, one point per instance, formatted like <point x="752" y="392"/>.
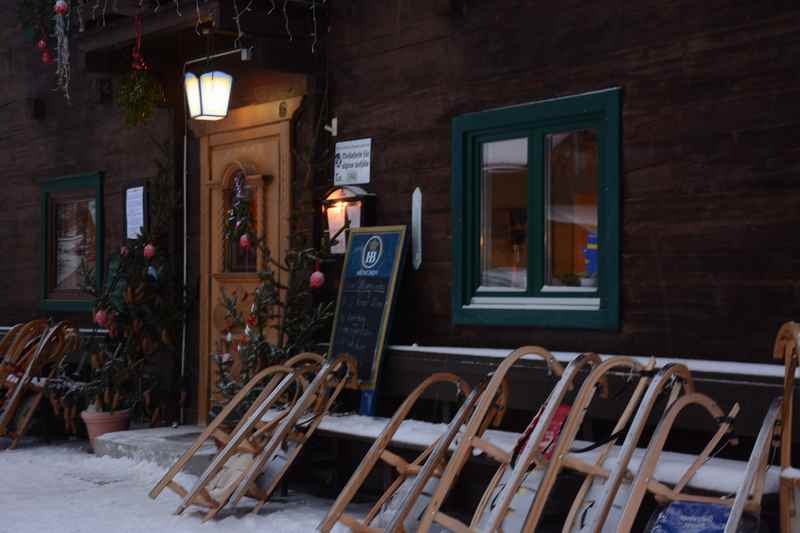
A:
<point x="26" y="390"/>
<point x="281" y="383"/>
<point x="603" y="491"/>
<point x="378" y="451"/>
<point x="787" y="349"/>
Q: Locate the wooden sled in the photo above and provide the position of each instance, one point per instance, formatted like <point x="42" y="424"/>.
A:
<point x="20" y="344"/>
<point x="258" y="452"/>
<point x="26" y="390"/>
<point x="293" y="431"/>
<point x="518" y="501"/>
<point x="402" y="505"/>
<point x="544" y="417"/>
<point x="405" y="471"/>
<point x="787" y="349"/>
<point x="601" y="492"/>
<point x="720" y="510"/>
<point x="279" y="382"/>
<point x="421" y="500"/>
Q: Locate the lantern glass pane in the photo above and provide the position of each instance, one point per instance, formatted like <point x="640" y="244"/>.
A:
<point x="215" y="92"/>
<point x="192" y="87"/>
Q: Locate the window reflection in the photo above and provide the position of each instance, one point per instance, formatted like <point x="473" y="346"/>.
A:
<point x="504" y="214"/>
<point x="75" y="242"/>
<point x="571" y="177"/>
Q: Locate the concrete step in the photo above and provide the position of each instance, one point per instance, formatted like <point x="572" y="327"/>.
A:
<point x="162" y="446"/>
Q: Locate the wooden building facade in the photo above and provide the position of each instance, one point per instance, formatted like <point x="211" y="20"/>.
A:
<point x="699" y="164"/>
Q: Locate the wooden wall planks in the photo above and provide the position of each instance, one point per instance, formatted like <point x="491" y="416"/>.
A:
<point x="710" y="152"/>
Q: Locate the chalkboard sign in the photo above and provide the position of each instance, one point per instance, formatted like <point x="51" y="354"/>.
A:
<point x="366" y="293"/>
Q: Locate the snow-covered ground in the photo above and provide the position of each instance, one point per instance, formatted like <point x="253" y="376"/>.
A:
<point x="60" y="488"/>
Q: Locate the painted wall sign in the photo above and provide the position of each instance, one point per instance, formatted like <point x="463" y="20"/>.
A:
<point x="351" y="164"/>
<point x="366" y="294"/>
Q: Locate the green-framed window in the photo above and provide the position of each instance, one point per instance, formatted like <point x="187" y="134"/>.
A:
<point x="536" y="209"/>
<point x="72" y="240"/>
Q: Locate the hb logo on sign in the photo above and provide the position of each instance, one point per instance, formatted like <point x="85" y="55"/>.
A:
<point x="371" y="254"/>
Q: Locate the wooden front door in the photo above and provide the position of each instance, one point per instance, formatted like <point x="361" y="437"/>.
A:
<point x="248" y="153"/>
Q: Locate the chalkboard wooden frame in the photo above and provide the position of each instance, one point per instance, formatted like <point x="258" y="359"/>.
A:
<point x="391" y="290"/>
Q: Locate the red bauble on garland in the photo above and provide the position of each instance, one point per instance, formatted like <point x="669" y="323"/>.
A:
<point x="317" y="280"/>
<point x="123" y="251"/>
<point x="61" y="7"/>
<point x="149" y="251"/>
<point x="101" y="317"/>
<point x="47" y="57"/>
<point x="41" y="44"/>
<point x="244" y="241"/>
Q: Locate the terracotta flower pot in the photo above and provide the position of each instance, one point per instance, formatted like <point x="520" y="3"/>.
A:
<point x="100" y="423"/>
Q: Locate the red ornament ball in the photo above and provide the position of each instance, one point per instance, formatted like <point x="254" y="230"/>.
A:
<point x="41" y="44"/>
<point x="317" y="279"/>
<point x="101" y="317"/>
<point x="61" y="7"/>
<point x="47" y="57"/>
<point x="244" y="241"/>
<point x="123" y="251"/>
<point x="149" y="251"/>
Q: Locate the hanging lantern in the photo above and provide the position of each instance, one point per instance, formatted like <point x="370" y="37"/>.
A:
<point x="208" y="95"/>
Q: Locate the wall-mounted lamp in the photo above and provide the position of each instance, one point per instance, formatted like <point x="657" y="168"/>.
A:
<point x="208" y="96"/>
<point x="347" y="203"/>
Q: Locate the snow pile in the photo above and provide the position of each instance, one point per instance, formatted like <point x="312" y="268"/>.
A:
<point x="61" y="488"/>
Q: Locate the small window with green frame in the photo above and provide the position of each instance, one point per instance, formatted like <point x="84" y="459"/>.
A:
<point x="72" y="240"/>
<point x="536" y="201"/>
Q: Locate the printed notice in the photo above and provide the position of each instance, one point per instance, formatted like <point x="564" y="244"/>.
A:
<point x="351" y="164"/>
<point x="134" y="212"/>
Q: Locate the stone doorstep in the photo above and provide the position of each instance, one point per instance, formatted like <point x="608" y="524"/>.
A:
<point x="162" y="446"/>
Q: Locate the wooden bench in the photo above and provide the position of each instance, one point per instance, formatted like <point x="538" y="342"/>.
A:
<point x="717" y="475"/>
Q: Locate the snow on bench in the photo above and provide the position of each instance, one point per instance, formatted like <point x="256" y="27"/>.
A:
<point x="717" y="475"/>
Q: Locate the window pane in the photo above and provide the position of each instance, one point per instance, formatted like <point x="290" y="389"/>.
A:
<point x="571" y="176"/>
<point x="504" y="214"/>
<point x="241" y="211"/>
<point x="75" y="235"/>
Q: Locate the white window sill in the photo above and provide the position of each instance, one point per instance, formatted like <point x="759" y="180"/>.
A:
<point x="533" y="303"/>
